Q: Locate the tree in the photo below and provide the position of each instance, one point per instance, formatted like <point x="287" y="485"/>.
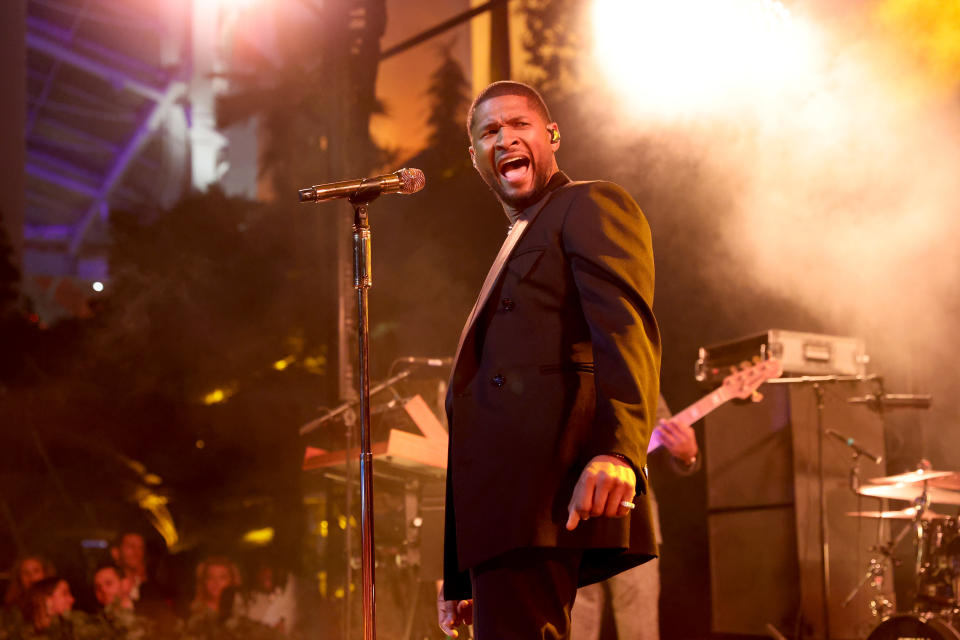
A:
<point x="556" y="37"/>
<point x="449" y="98"/>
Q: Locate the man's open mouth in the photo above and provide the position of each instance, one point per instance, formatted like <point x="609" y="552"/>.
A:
<point x="514" y="168"/>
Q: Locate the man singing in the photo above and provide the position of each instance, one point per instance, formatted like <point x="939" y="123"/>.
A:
<point x="554" y="389"/>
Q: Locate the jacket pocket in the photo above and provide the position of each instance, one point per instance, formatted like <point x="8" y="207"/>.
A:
<point x="521" y="264"/>
<point x="583" y="367"/>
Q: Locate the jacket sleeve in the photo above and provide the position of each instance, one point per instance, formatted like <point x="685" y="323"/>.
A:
<point x="608" y="244"/>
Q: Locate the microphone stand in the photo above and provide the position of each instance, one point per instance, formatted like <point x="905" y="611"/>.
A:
<point x="817" y="384"/>
<point x="362" y="281"/>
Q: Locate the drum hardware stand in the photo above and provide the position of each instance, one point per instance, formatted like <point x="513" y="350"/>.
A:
<point x="921" y="504"/>
<point x="880" y="606"/>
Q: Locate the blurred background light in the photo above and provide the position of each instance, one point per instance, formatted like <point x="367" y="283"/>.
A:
<point x="259" y="537"/>
<point x="280" y="365"/>
<point x="220" y="394"/>
<point x="214" y="397"/>
<point x="97" y="286"/>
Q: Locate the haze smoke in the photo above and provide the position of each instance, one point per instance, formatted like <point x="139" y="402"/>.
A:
<point x="841" y="166"/>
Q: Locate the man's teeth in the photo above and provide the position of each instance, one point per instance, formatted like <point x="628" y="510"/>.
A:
<point x="513" y="165"/>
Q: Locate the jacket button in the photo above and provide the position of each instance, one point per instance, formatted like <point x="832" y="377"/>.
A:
<point x="507" y="304"/>
<point x="497" y="380"/>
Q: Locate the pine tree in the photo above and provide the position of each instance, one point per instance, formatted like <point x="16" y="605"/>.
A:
<point x="449" y="99"/>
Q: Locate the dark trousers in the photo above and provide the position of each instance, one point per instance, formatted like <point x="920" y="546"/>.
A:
<point x="525" y="594"/>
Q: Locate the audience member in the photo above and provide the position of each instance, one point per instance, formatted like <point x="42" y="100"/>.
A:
<point x="217" y="576"/>
<point x="26" y="570"/>
<point x="47" y="600"/>
<point x="111" y="588"/>
<point x="130" y="553"/>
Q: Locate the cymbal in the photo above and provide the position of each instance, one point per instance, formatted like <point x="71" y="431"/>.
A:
<point x="903" y="514"/>
<point x="910" y="492"/>
<point x="933" y="478"/>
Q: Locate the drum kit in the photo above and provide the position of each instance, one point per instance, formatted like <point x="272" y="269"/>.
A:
<point x="936" y="610"/>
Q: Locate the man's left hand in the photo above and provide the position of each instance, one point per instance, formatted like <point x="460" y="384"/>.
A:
<point x="604" y="484"/>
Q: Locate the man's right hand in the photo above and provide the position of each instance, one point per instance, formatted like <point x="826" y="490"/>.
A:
<point x="453" y="613"/>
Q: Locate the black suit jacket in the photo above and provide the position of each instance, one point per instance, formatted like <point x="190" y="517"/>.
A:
<point x="561" y="364"/>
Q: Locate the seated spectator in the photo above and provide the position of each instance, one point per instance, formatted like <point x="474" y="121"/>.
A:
<point x="218" y="579"/>
<point x="47" y="601"/>
<point x="111" y="588"/>
<point x="26" y="571"/>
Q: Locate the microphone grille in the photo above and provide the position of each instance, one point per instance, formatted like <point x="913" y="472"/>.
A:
<point x="411" y="180"/>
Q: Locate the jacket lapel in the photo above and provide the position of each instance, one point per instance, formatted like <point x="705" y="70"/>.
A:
<point x="496" y="269"/>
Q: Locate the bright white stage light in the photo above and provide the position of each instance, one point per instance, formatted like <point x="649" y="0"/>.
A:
<point x="691" y="55"/>
<point x="97" y="286"/>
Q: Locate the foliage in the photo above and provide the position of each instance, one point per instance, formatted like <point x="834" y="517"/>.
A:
<point x="556" y="37"/>
<point x="208" y="293"/>
<point x="449" y="99"/>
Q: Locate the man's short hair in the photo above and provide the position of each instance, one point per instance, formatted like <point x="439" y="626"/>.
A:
<point x="103" y="566"/>
<point x="508" y="88"/>
<point x="121" y="536"/>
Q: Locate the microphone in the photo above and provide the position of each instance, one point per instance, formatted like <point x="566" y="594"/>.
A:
<point x="850" y="442"/>
<point x="879" y="401"/>
<point x="402" y="181"/>
<point x="430" y="362"/>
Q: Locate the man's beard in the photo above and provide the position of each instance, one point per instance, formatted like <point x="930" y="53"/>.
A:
<point x="517" y="202"/>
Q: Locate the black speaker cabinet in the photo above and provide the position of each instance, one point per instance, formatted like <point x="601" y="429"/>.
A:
<point x="764" y="515"/>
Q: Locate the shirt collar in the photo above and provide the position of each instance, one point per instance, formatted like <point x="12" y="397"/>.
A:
<point x="556" y="181"/>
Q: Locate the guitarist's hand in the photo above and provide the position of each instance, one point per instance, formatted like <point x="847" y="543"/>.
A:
<point x="679" y="439"/>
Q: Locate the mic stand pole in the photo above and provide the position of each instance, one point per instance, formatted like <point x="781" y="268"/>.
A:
<point x="362" y="281"/>
<point x="824" y="544"/>
<point x="817" y="384"/>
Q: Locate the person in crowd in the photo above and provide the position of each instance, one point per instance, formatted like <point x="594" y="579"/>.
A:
<point x="218" y="579"/>
<point x="47" y="602"/>
<point x="553" y="392"/>
<point x="129" y="552"/>
<point x="26" y="570"/>
<point x="149" y="597"/>
<point x="111" y="588"/>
